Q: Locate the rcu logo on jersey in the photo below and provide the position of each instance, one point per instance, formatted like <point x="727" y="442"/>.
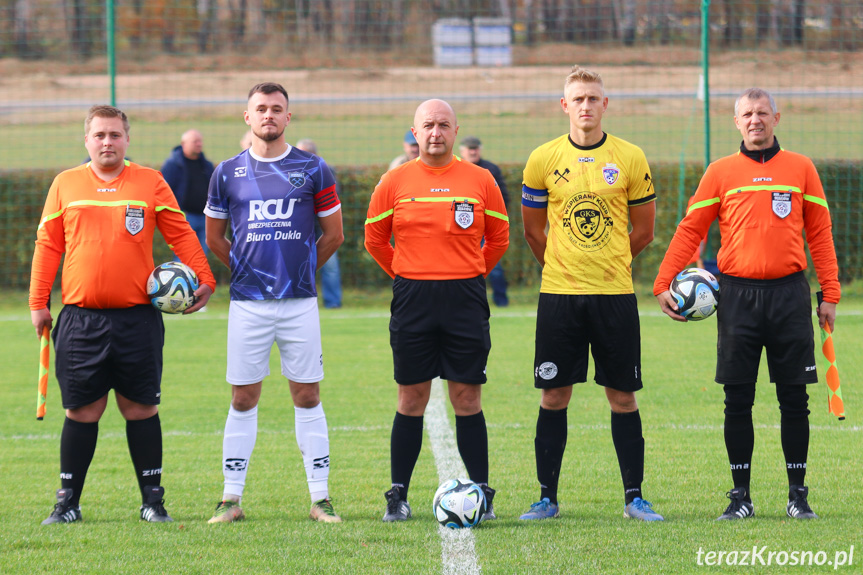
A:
<point x="587" y="221"/>
<point x="271" y="209"/>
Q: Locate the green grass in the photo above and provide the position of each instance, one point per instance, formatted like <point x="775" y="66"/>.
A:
<point x="373" y="135"/>
<point x="686" y="476"/>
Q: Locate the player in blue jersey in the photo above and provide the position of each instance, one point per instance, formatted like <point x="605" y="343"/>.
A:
<point x="271" y="194"/>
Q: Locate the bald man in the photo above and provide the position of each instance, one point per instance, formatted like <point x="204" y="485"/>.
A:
<point x="437" y="209"/>
<point x="188" y="173"/>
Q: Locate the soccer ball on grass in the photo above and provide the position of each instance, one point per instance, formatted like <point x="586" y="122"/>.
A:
<point x="459" y="503"/>
<point x="171" y="287"/>
<point x="696" y="293"/>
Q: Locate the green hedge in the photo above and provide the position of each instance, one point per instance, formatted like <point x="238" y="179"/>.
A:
<point x="22" y="195"/>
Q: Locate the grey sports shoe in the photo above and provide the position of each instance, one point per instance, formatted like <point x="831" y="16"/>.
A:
<point x="798" y="506"/>
<point x="154" y="509"/>
<point x="489" y="497"/>
<point x="63" y="511"/>
<point x="739" y="507"/>
<point x="397" y="508"/>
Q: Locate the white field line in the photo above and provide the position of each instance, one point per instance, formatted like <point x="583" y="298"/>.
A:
<point x="457" y="545"/>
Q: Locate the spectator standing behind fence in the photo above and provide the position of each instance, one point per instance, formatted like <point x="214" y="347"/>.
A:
<point x="411" y="150"/>
<point x="471" y="150"/>
<point x="587" y="188"/>
<point x="765" y="198"/>
<point x="271" y="195"/>
<point x="102" y="216"/>
<point x="437" y="209"/>
<point x="188" y="173"/>
<point x="331" y="279"/>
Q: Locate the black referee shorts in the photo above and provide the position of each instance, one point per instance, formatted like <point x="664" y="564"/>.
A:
<point x="773" y="314"/>
<point x="102" y="349"/>
<point x="568" y="325"/>
<point x="439" y="328"/>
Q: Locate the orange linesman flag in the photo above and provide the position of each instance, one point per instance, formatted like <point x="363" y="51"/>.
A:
<point x="835" y="405"/>
<point x="44" y="360"/>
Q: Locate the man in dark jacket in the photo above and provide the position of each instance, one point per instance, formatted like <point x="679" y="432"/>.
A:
<point x="188" y="173"/>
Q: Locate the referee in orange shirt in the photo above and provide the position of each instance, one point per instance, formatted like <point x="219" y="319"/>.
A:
<point x="438" y="208"/>
<point x="765" y="198"/>
<point x="102" y="215"/>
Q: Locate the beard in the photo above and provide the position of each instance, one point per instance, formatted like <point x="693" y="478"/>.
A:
<point x="268" y="137"/>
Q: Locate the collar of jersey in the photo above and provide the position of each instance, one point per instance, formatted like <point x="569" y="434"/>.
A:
<point x="276" y="159"/>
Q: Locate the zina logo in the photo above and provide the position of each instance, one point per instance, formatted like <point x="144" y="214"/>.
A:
<point x="270" y="210"/>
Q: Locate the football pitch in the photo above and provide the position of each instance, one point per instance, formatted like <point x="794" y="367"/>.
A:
<point x="686" y="474"/>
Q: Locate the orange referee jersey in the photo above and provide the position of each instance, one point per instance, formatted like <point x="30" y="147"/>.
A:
<point x="106" y="231"/>
<point x="438" y="217"/>
<point x="763" y="210"/>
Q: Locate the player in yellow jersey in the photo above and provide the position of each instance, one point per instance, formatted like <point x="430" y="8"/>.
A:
<point x="581" y="193"/>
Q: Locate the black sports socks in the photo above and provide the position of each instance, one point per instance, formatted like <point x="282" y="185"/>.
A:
<point x="550" y="443"/>
<point x="77" y="446"/>
<point x="472" y="439"/>
<point x="629" y="444"/>
<point x="406" y="441"/>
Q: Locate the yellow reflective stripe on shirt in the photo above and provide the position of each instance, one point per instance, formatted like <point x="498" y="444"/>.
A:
<point x="702" y="204"/>
<point x="48" y="218"/>
<point x="793" y="189"/>
<point x="108" y="204"/>
<point x="497" y="215"/>
<point x="56" y="215"/>
<point x="441" y="199"/>
<point x="160" y="208"/>
<point x="374" y="219"/>
<point x="816" y="200"/>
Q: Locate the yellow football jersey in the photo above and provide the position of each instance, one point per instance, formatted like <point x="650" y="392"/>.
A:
<point x="588" y="193"/>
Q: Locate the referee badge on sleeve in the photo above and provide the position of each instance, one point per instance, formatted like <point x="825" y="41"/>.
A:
<point x="464" y="214"/>
<point x="134" y="219"/>
<point x="782" y="204"/>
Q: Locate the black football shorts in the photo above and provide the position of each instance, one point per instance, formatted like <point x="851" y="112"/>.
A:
<point x="568" y="325"/>
<point x="773" y="314"/>
<point x="102" y="349"/>
<point x="439" y="328"/>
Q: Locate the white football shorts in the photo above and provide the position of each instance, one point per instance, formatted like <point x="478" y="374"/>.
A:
<point x="293" y="324"/>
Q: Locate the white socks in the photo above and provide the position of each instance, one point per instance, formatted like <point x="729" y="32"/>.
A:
<point x="241" y="431"/>
<point x="313" y="439"/>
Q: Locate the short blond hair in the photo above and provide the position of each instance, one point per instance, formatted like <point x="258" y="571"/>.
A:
<point x="583" y="75"/>
<point x="104" y="111"/>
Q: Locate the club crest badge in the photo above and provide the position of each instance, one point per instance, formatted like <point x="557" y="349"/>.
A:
<point x="547" y="370"/>
<point x="297" y="179"/>
<point x="464" y="215"/>
<point x="134" y="220"/>
<point x="782" y="204"/>
<point x="587" y="221"/>
<point x="610" y="173"/>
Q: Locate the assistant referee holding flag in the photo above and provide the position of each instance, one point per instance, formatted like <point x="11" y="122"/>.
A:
<point x="438" y="208"/>
<point x="102" y="215"/>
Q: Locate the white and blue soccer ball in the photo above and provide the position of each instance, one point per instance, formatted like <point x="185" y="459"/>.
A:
<point x="459" y="503"/>
<point x="171" y="287"/>
<point x="696" y="293"/>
